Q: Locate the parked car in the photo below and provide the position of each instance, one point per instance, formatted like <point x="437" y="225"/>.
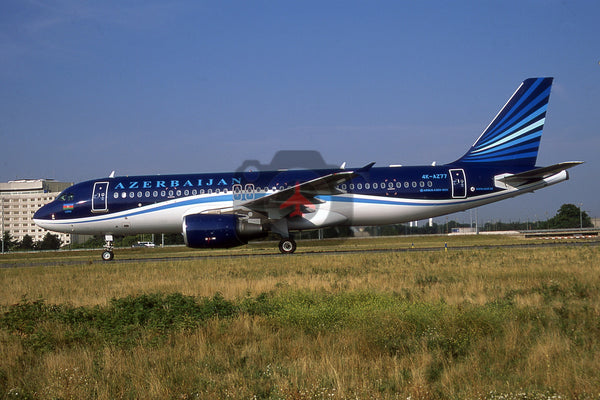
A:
<point x="143" y="244"/>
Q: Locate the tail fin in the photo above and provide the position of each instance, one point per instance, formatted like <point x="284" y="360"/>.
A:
<point x="513" y="137"/>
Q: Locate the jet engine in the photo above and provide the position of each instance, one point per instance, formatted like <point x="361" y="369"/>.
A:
<point x="209" y="231"/>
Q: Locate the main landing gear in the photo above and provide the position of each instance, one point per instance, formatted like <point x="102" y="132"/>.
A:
<point x="108" y="254"/>
<point x="287" y="246"/>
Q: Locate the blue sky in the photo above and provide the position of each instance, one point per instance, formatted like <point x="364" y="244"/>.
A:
<point x="191" y="86"/>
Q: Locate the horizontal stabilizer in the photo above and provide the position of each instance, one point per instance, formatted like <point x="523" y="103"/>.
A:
<point x="536" y="174"/>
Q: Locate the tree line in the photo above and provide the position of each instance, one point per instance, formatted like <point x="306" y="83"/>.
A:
<point x="49" y="242"/>
<point x="568" y="216"/>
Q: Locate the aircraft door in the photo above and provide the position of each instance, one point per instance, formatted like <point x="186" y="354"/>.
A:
<point x="459" y="183"/>
<point x="99" y="197"/>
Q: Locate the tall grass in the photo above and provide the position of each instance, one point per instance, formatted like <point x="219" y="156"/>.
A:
<point x="496" y="323"/>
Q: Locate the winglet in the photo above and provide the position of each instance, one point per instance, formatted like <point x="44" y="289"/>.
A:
<point x="112" y="174"/>
<point x="366" y="168"/>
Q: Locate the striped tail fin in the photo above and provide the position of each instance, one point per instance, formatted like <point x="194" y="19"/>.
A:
<point x="513" y="137"/>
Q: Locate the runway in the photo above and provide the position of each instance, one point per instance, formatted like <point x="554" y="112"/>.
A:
<point x="324" y="251"/>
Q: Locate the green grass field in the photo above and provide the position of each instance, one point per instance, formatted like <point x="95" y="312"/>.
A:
<point x="477" y="323"/>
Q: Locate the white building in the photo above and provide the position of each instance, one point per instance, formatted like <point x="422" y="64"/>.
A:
<point x="20" y="199"/>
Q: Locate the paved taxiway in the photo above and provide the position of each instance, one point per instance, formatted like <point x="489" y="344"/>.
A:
<point x="299" y="253"/>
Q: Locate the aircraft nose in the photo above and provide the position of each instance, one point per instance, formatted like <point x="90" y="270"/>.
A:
<point x="43" y="215"/>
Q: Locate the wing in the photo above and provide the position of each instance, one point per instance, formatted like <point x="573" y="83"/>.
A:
<point x="274" y="205"/>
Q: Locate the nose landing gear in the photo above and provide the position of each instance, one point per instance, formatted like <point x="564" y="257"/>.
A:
<point x="108" y="254"/>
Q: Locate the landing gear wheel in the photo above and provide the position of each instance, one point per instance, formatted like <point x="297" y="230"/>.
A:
<point x="108" y="254"/>
<point x="287" y="246"/>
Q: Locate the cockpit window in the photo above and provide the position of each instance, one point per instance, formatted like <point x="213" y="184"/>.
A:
<point x="66" y="197"/>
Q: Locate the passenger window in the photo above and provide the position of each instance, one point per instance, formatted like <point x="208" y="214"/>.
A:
<point x="375" y="186"/>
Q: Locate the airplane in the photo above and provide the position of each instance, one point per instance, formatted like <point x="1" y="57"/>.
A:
<point x="224" y="210"/>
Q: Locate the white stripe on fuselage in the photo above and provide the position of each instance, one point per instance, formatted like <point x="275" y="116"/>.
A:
<point x="358" y="209"/>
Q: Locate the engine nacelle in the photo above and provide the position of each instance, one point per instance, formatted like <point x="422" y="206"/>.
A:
<point x="210" y="231"/>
